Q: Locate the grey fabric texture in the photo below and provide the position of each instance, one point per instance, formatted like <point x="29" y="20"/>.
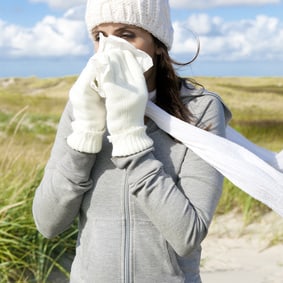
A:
<point x="142" y="218"/>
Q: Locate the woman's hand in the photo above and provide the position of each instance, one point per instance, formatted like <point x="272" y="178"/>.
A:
<point x="126" y="96"/>
<point x="89" y="112"/>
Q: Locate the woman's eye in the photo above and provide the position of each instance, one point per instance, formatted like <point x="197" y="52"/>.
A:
<point x="127" y="35"/>
<point x="96" y="36"/>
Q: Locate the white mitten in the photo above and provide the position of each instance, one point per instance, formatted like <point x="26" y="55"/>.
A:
<point x="89" y="112"/>
<point x="125" y="89"/>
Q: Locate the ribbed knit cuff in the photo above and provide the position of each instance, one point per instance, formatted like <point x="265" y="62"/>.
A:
<point x="83" y="141"/>
<point x="130" y="142"/>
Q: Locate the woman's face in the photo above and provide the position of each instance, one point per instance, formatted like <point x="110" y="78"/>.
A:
<point x="138" y="37"/>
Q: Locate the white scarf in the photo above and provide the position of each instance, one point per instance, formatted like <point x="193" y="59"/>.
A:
<point x="251" y="168"/>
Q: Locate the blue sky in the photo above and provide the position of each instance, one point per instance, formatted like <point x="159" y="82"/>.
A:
<point x="47" y="38"/>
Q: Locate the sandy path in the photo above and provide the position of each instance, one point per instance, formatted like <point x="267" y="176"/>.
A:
<point x="234" y="253"/>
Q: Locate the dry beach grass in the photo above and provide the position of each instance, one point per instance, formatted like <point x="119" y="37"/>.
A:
<point x="29" y="112"/>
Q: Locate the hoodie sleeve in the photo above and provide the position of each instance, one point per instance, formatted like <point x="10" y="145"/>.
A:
<point x="182" y="210"/>
<point x="66" y="178"/>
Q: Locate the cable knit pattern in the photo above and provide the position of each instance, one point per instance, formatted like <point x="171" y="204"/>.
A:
<point x="151" y="15"/>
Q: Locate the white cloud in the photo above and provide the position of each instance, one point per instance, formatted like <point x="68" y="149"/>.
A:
<point x="75" y="13"/>
<point x="205" y="4"/>
<point x="51" y="37"/>
<point x="57" y="4"/>
<point x="259" y="38"/>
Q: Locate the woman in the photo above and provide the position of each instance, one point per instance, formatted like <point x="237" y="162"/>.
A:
<point x="144" y="200"/>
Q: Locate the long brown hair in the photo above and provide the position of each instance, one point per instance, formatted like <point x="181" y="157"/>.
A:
<point x="168" y="84"/>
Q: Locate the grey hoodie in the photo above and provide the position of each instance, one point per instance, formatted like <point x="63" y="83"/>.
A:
<point x="142" y="218"/>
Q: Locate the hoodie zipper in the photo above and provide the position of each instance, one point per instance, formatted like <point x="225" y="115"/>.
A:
<point x="127" y="234"/>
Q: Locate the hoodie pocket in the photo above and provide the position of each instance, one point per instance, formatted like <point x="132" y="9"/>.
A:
<point x="172" y="259"/>
<point x="153" y="259"/>
<point x="101" y="251"/>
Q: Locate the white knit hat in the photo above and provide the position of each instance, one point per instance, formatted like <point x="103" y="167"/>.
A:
<point x="151" y="15"/>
